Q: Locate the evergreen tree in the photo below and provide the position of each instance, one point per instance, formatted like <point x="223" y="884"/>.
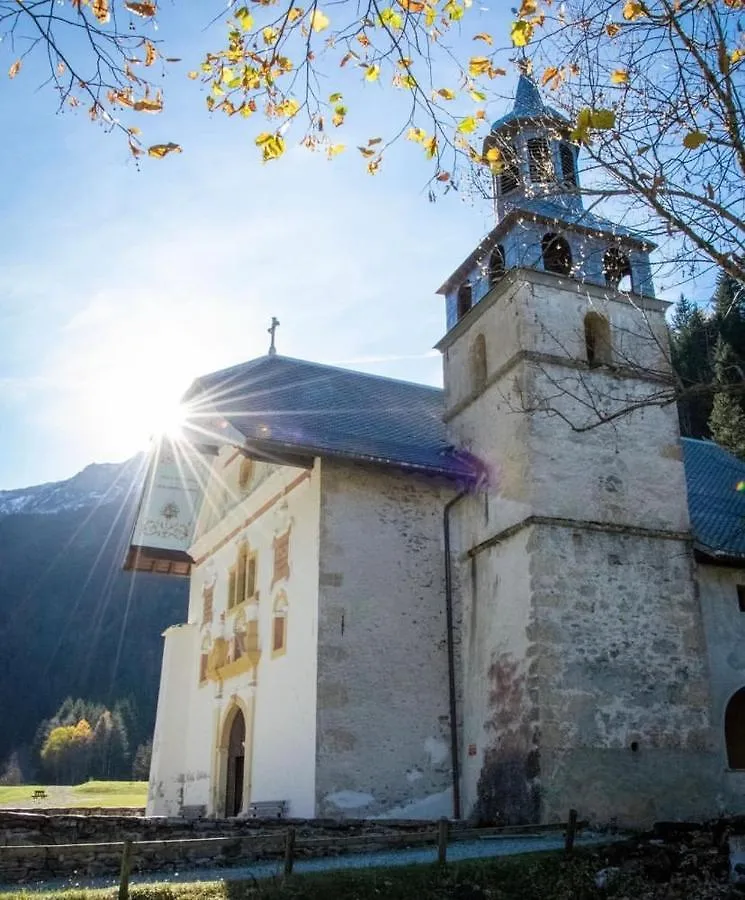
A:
<point x="141" y="764"/>
<point x="727" y="419"/>
<point x="691" y="356"/>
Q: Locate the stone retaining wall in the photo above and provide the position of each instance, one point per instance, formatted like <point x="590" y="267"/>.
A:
<point x="38" y="847"/>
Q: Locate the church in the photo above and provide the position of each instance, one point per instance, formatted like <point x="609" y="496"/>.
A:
<point x="518" y="595"/>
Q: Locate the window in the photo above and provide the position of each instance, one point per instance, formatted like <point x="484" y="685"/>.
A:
<point x="557" y="257"/>
<point x="203" y="668"/>
<point x="510" y="175"/>
<point x="245" y="473"/>
<point x="597" y="340"/>
<point x="568" y="171"/>
<point x="242" y="578"/>
<point x="464" y="299"/>
<point x="478" y="363"/>
<point x="279" y="625"/>
<point x="208" y="596"/>
<point x="741" y="596"/>
<point x="539" y="160"/>
<point x="734" y="730"/>
<point x="496" y="264"/>
<point x="281" y="557"/>
<point x="617" y="269"/>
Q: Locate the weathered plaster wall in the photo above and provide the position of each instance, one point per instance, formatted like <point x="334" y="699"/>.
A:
<point x="277" y="697"/>
<point x="724" y="625"/>
<point x="175" y="696"/>
<point x="383" y="727"/>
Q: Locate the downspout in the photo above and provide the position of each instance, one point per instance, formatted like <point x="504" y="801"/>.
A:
<point x="451" y="655"/>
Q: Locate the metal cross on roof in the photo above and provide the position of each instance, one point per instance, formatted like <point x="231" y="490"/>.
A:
<point x="272" y="330"/>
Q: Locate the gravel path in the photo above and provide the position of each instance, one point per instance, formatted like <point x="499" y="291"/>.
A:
<point x="487" y="847"/>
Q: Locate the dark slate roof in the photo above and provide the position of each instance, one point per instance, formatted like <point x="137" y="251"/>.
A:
<point x="528" y="105"/>
<point x="282" y="403"/>
<point x="716" y="506"/>
<point x="564" y="209"/>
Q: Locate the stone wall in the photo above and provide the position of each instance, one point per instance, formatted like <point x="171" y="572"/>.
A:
<point x="89" y="845"/>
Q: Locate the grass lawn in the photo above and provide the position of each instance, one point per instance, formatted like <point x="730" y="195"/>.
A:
<point x="91" y="793"/>
<point x="534" y="877"/>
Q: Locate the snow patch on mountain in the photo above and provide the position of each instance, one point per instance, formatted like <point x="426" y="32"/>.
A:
<point x="96" y="484"/>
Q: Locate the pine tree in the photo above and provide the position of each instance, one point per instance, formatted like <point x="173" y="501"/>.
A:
<point x="727" y="419"/>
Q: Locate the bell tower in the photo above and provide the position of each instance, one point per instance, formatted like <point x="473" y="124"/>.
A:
<point x="584" y="675"/>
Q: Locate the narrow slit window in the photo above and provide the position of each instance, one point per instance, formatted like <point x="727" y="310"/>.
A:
<point x="465" y="298"/>
<point x="734" y="730"/>
<point x="539" y="160"/>
<point x="568" y="170"/>
<point x="496" y="264"/>
<point x="597" y="340"/>
<point x="478" y="363"/>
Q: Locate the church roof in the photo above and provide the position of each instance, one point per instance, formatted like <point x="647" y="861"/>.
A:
<point x="528" y="105"/>
<point x="278" y="403"/>
<point x="715" y="500"/>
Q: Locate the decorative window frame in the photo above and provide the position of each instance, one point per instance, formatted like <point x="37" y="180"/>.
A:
<point x="281" y="567"/>
<point x="280" y="613"/>
<point x="238" y="580"/>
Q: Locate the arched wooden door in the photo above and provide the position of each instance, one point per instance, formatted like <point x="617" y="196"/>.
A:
<point x="236" y="764"/>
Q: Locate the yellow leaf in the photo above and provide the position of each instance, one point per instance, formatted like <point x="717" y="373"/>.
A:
<point x="430" y="147"/>
<point x="611" y="29"/>
<point x="632" y="10"/>
<point x="419" y="135"/>
<point x="527" y="8"/>
<point x="101" y="10"/>
<point x="161" y="150"/>
<point x="374" y="165"/>
<point x="334" y="150"/>
<point x="694" y="139"/>
<point x="247" y="109"/>
<point x="454" y="11"/>
<point x="288" y="107"/>
<point x="244" y="18"/>
<point x="392" y="19"/>
<point x="478" y="96"/>
<point x="478" y="65"/>
<point x="446" y="94"/>
<point x="319" y="21"/>
<point x="372" y="73"/>
<point x="404" y="81"/>
<point x="483" y="36"/>
<point x="366" y="152"/>
<point x="430" y="15"/>
<point x="15" y="69"/>
<point x="269" y="34"/>
<point x="521" y="33"/>
<point x="619" y="76"/>
<point x="151" y="54"/>
<point x="272" y="146"/>
<point x="146" y="10"/>
<point x="467" y="125"/>
<point x="295" y="13"/>
<point x="192" y="75"/>
<point x="737" y="55"/>
<point x="494" y="160"/>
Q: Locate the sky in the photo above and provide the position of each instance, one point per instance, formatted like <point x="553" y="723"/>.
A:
<point x="120" y="283"/>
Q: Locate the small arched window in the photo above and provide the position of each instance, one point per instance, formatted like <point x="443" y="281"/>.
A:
<point x="557" y="257"/>
<point x="539" y="160"/>
<point x="617" y="269"/>
<point x="279" y="624"/>
<point x="496" y="264"/>
<point x="465" y="298"/>
<point x="568" y="170"/>
<point x="478" y="363"/>
<point x="597" y="340"/>
<point x="734" y="730"/>
<point x="245" y="474"/>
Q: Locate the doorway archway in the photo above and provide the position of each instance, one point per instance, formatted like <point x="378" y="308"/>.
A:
<point x="236" y="764"/>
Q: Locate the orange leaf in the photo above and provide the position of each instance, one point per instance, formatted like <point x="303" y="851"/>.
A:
<point x="161" y="150"/>
<point x="144" y="9"/>
<point x="14" y="69"/>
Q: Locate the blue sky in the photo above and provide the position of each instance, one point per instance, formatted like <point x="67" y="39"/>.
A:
<point x="119" y="285"/>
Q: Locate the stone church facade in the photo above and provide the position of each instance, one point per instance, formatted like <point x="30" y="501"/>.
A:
<point x="486" y="602"/>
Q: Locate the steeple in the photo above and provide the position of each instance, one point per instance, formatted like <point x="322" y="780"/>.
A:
<point x="541" y="220"/>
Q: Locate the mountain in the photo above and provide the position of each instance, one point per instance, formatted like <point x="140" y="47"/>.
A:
<point x="72" y="623"/>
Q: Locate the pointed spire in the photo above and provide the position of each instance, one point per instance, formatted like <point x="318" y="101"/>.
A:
<point x="528" y="100"/>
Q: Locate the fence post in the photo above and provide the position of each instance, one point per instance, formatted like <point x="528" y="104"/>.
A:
<point x="442" y="840"/>
<point x="571" y="832"/>
<point x="289" y="850"/>
<point x="124" y="876"/>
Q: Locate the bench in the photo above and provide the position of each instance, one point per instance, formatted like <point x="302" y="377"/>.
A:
<point x="266" y="809"/>
<point x="40" y="794"/>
